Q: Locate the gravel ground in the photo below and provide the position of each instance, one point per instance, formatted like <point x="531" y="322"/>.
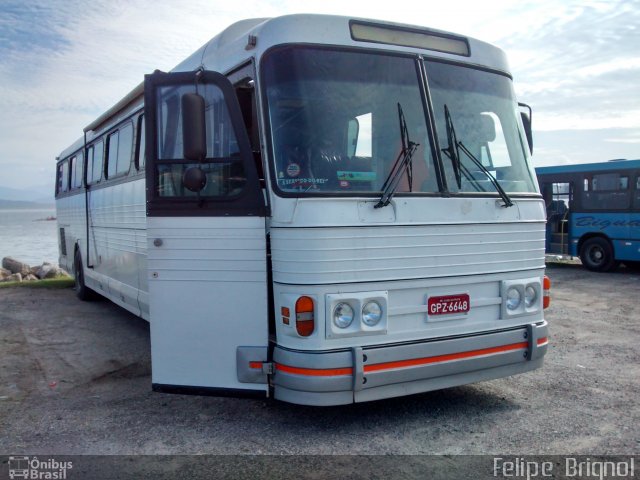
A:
<point x="75" y="380"/>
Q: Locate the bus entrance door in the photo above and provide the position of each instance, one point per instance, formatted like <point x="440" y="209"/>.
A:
<point x="206" y="239"/>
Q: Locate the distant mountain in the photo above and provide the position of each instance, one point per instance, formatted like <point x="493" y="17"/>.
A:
<point x="24" y="205"/>
<point x="37" y="194"/>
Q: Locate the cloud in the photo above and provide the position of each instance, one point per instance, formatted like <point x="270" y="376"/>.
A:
<point x="579" y="66"/>
<point x="64" y="62"/>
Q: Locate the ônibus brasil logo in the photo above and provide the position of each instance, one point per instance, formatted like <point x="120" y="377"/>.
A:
<point x="33" y="468"/>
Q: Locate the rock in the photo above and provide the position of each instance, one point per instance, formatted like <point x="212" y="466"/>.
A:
<point x="16" y="277"/>
<point x="46" y="270"/>
<point x="11" y="267"/>
<point x="16" y="266"/>
<point x="51" y="273"/>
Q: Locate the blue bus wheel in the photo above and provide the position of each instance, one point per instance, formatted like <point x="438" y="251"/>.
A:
<point x="597" y="255"/>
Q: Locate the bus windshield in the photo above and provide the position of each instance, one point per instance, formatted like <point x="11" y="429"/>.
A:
<point x="485" y="118"/>
<point x="334" y="120"/>
<point x="334" y="127"/>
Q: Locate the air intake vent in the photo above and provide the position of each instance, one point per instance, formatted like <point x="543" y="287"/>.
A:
<point x="63" y="243"/>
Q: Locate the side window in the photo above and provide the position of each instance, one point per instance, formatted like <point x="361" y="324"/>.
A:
<point x="636" y="197"/>
<point x="608" y="191"/>
<point x="89" y="167"/>
<point x="73" y="168"/>
<point x="140" y="144"/>
<point x="62" y="183"/>
<point x="76" y="171"/>
<point x="125" y="147"/>
<point x="59" y="179"/>
<point x="119" y="147"/>
<point x="112" y="155"/>
<point x="94" y="162"/>
<point x="610" y="181"/>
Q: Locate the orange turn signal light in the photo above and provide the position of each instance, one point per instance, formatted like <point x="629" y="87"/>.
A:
<point x="285" y="315"/>
<point x="305" y="320"/>
<point x="546" y="294"/>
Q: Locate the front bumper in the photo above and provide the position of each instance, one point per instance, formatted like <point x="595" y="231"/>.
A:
<point x="370" y="373"/>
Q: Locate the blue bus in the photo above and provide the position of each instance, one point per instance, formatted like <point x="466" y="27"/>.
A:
<point x="593" y="211"/>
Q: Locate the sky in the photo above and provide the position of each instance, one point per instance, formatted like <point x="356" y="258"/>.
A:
<point x="64" y="62"/>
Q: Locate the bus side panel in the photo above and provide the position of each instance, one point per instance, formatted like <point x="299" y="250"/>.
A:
<point x="622" y="229"/>
<point x="118" y="224"/>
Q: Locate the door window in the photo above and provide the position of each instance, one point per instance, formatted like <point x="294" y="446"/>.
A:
<point x="222" y="168"/>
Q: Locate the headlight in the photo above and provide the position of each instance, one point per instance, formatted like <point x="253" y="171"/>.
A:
<point x="371" y="313"/>
<point x="513" y="298"/>
<point x="342" y="315"/>
<point x="530" y="296"/>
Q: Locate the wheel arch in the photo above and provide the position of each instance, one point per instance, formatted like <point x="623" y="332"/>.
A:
<point x="77" y="249"/>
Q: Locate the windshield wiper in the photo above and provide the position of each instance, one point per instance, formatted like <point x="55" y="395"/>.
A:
<point x="402" y="163"/>
<point x="452" y="149"/>
<point x="453" y="152"/>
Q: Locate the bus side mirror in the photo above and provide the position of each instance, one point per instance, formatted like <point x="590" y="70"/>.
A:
<point x="194" y="139"/>
<point x="527" y="116"/>
<point x="194" y="179"/>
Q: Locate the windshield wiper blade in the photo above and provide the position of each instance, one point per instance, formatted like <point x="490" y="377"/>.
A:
<point x="505" y="198"/>
<point x="452" y="149"/>
<point x="453" y="152"/>
<point x="402" y="164"/>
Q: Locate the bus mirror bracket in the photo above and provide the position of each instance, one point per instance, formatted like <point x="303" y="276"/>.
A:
<point x="194" y="138"/>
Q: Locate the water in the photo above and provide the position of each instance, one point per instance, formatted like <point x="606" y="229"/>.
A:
<point x="26" y="236"/>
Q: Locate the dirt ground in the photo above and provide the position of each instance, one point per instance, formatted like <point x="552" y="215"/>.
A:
<point x="75" y="379"/>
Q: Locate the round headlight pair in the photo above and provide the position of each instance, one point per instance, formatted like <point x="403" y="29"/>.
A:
<point x="514" y="297"/>
<point x="343" y="314"/>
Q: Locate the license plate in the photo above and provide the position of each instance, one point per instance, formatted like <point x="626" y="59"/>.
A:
<point x="449" y="304"/>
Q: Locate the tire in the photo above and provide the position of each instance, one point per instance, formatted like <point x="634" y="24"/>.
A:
<point x="597" y="255"/>
<point x="83" y="292"/>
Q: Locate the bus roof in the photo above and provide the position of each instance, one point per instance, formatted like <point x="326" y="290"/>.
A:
<point x="589" y="167"/>
<point x="224" y="51"/>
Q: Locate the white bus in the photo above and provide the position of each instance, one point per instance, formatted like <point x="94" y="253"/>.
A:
<point x="321" y="209"/>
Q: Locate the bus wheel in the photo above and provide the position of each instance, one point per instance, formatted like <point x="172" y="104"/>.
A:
<point x="597" y="255"/>
<point x="83" y="292"/>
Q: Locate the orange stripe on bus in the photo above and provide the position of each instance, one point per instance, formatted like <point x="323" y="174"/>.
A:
<point x="543" y="341"/>
<point x="328" y="372"/>
<point x="414" y="362"/>
<point x="255" y="365"/>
